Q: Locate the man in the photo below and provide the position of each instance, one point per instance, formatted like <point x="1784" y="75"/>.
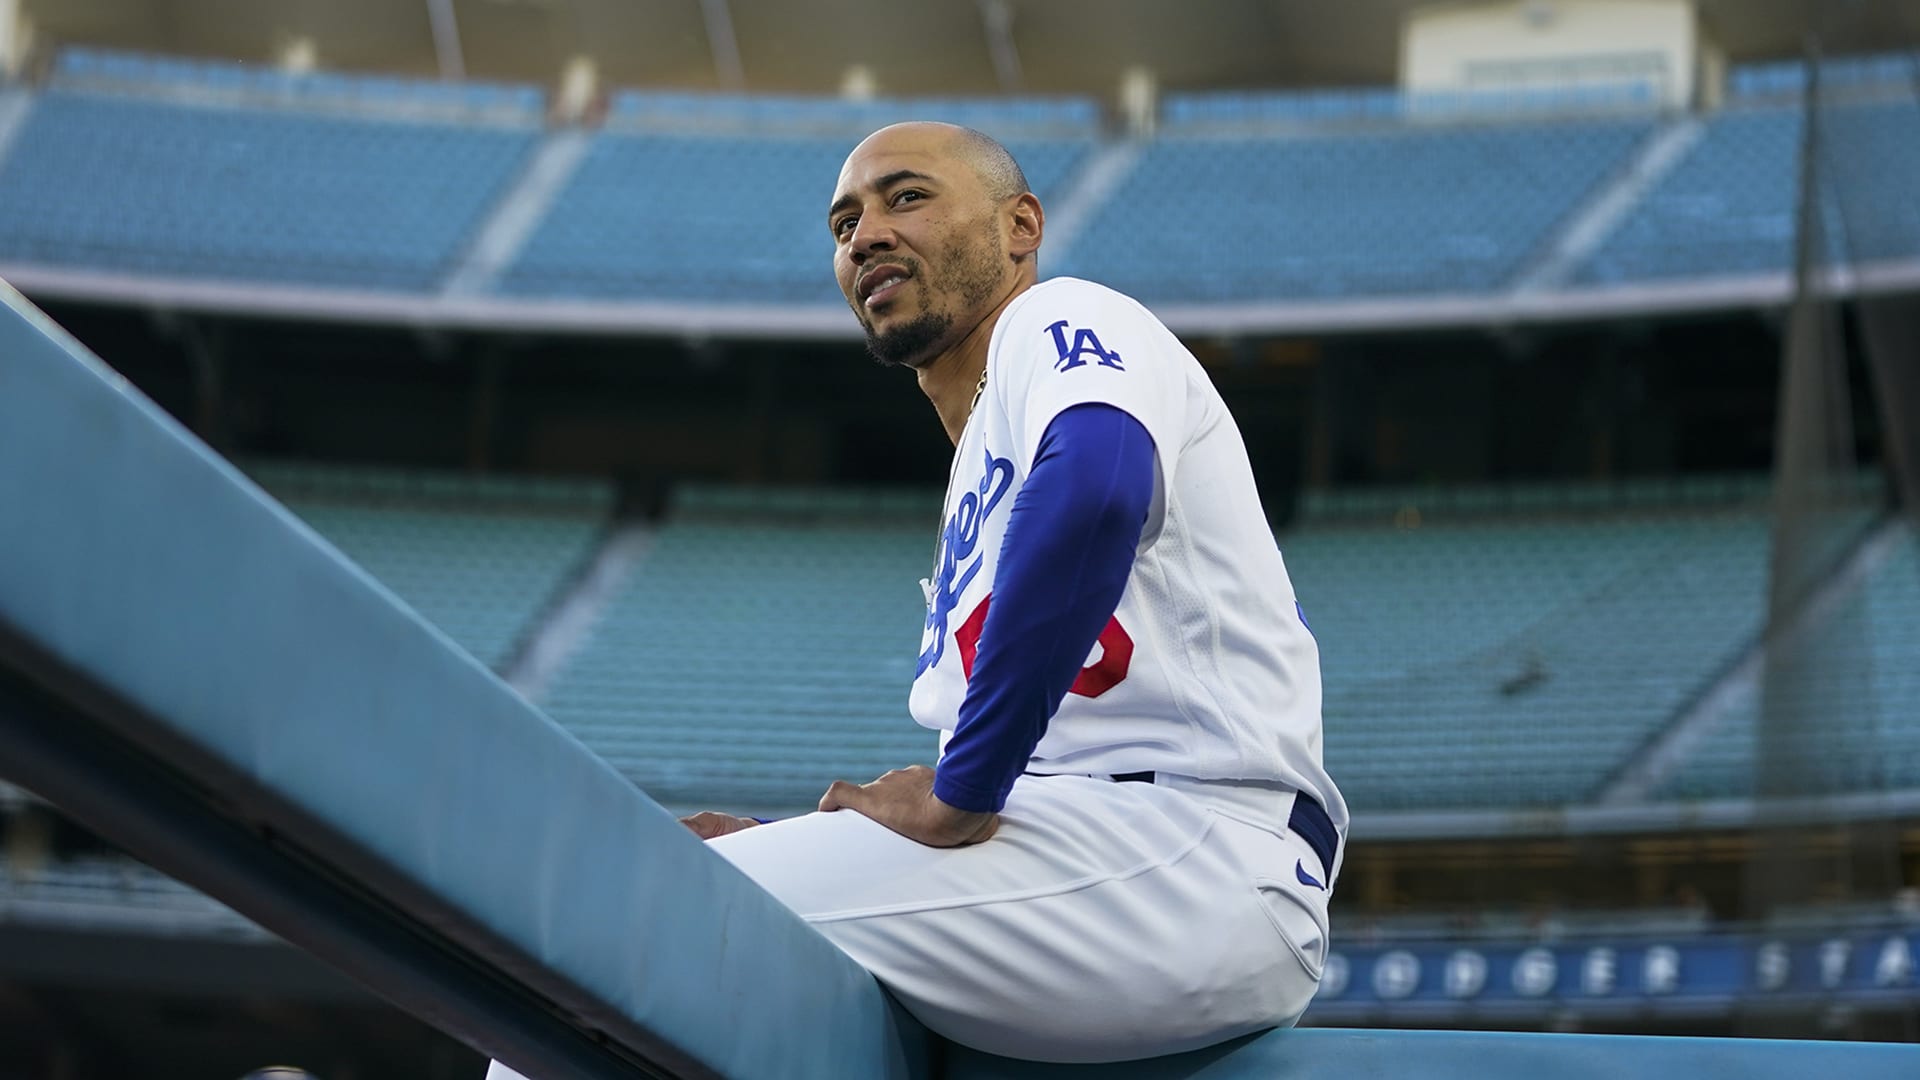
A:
<point x="1128" y="844"/>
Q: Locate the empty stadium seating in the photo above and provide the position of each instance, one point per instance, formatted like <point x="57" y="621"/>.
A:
<point x="481" y="558"/>
<point x="1870" y="162"/>
<point x="249" y="194"/>
<point x="1409" y="210"/>
<point x="1518" y="661"/>
<point x="1727" y="208"/>
<point x="1491" y="657"/>
<point x="748" y="663"/>
<point x="712" y="218"/>
<point x="1860" y="695"/>
<point x="186" y="169"/>
<point x="1481" y="648"/>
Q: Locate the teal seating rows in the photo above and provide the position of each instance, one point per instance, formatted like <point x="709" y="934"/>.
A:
<point x="1492" y="662"/>
<point x="1518" y="662"/>
<point x="1850" y="716"/>
<point x="1474" y="657"/>
<point x="481" y="559"/>
<point x="748" y="665"/>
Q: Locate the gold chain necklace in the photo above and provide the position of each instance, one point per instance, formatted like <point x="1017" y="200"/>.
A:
<point x="977" y="391"/>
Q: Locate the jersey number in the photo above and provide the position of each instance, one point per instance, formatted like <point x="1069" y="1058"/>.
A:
<point x="1116" y="653"/>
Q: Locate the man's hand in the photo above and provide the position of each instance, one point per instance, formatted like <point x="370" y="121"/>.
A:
<point x="903" y="800"/>
<point x="706" y="824"/>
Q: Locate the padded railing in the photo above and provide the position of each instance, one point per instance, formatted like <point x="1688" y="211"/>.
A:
<point x="193" y="673"/>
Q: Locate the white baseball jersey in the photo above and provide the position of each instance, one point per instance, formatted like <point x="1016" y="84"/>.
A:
<point x="1207" y="668"/>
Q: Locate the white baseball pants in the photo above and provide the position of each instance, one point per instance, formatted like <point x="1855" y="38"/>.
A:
<point x="1104" y="921"/>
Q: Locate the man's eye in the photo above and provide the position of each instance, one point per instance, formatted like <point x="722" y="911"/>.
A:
<point x="844" y="225"/>
<point x="910" y="193"/>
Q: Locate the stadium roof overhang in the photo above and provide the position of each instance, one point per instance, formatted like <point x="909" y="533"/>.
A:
<point x="940" y="47"/>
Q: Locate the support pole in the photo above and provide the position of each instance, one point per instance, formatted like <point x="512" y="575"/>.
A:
<point x="726" y="48"/>
<point x="446" y="40"/>
<point x="998" y="16"/>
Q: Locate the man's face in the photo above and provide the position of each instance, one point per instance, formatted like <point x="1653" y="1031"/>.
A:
<point x="917" y="246"/>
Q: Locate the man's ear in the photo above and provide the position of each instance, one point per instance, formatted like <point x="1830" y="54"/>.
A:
<point x="1026" y="221"/>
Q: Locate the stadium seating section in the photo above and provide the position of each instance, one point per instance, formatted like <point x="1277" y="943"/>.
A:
<point x="758" y="653"/>
<point x="249" y="194"/>
<point x="1871" y="154"/>
<point x="712" y="218"/>
<point x="1482" y="648"/>
<point x="191" y="169"/>
<point x="1862" y="683"/>
<point x="1518" y="662"/>
<point x="481" y="559"/>
<point x="1337" y="215"/>
<point x="1508" y="648"/>
<point x="1728" y="207"/>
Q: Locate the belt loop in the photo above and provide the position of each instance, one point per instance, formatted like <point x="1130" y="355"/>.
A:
<point x="1310" y="821"/>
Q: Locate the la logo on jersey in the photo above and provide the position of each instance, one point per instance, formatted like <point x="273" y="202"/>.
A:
<point x="1085" y="343"/>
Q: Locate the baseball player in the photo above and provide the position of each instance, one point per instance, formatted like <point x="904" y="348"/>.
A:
<point x="1129" y="842"/>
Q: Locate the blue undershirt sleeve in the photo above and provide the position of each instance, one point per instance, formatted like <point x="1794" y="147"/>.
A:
<point x="1064" y="563"/>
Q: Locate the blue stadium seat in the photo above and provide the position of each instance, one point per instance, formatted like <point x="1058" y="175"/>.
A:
<point x="1730" y="206"/>
<point x="1862" y="693"/>
<point x="249" y="194"/>
<point x="480" y="559"/>
<point x="747" y="665"/>
<point x="1727" y="208"/>
<point x="716" y="219"/>
<point x="1403" y="211"/>
<point x="1509" y="657"/>
<point x="1517" y="661"/>
<point x="1872" y="168"/>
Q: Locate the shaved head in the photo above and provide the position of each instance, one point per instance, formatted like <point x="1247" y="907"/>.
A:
<point x="999" y="174"/>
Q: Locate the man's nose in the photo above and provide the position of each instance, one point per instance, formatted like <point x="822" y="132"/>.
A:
<point x="870" y="237"/>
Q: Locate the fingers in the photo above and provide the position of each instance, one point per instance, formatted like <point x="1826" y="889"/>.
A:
<point x="841" y="794"/>
<point x="707" y="824"/>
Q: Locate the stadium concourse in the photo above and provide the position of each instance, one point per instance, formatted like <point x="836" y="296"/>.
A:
<point x="585" y="398"/>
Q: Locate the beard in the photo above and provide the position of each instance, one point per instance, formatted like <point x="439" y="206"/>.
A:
<point x="971" y="275"/>
<point x="913" y="343"/>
